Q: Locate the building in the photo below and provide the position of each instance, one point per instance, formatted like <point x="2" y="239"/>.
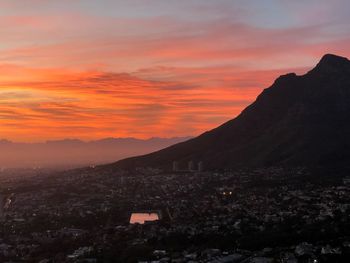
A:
<point x="200" y="166"/>
<point x="175" y="166"/>
<point x="190" y="166"/>
<point x="2" y="204"/>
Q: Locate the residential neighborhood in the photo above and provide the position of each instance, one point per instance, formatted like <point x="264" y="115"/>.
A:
<point x="261" y="215"/>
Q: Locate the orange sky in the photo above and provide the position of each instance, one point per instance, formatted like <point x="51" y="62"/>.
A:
<point x="90" y="70"/>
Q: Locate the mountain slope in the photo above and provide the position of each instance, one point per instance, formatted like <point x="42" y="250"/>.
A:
<point x="299" y="120"/>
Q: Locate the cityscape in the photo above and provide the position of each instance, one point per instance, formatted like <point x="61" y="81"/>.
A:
<point x="87" y="216"/>
<point x="158" y="131"/>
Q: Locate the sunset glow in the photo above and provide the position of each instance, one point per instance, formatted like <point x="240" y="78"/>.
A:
<point x="89" y="70"/>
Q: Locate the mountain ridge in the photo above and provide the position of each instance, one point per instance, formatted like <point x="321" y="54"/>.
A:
<point x="298" y="120"/>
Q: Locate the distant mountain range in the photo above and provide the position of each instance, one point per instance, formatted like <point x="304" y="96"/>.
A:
<point x="299" y="120"/>
<point x="75" y="153"/>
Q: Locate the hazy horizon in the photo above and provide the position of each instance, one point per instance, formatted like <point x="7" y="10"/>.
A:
<point x="76" y="153"/>
<point x="68" y="139"/>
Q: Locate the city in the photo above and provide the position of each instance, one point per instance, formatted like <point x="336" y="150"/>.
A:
<point x="262" y="215"/>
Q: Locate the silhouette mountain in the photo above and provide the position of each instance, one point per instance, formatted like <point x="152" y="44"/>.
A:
<point x="299" y="120"/>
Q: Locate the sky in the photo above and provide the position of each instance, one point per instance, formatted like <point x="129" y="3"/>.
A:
<point x="92" y="69"/>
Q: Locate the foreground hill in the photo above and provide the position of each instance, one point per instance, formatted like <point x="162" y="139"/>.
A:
<point x="299" y="120"/>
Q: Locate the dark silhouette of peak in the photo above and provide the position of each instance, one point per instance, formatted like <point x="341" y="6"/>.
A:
<point x="330" y="63"/>
<point x="299" y="120"/>
<point x="333" y="60"/>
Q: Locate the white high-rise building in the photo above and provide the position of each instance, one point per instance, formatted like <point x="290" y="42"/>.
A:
<point x="175" y="166"/>
<point x="2" y="204"/>
<point x="200" y="166"/>
<point x="190" y="166"/>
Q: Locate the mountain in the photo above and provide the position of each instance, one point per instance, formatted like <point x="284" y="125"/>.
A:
<point x="71" y="153"/>
<point x="299" y="120"/>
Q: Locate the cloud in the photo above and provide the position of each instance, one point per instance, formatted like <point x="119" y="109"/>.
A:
<point x="46" y="103"/>
<point x="86" y="41"/>
<point x="151" y="68"/>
